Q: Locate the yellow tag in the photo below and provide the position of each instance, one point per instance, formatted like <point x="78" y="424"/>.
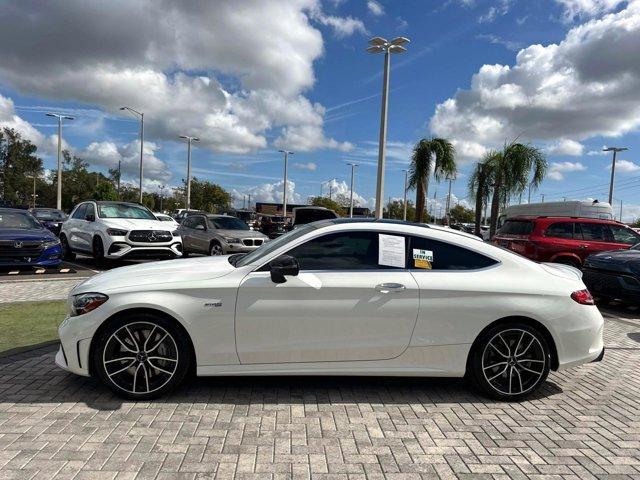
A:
<point x="422" y="264"/>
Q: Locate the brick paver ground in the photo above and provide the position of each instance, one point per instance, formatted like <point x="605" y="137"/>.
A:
<point x="36" y="290"/>
<point x="584" y="424"/>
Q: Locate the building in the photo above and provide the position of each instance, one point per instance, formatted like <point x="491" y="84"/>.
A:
<point x="269" y="208"/>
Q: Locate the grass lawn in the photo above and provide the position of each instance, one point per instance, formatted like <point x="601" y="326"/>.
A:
<point x="30" y="323"/>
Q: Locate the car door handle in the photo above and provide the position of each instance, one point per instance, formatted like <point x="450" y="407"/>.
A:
<point x="390" y="287"/>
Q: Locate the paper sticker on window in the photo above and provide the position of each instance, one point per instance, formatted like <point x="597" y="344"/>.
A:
<point x="422" y="255"/>
<point x="418" y="263"/>
<point x="391" y="251"/>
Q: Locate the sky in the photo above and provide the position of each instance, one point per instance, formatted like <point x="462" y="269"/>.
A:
<point x="250" y="77"/>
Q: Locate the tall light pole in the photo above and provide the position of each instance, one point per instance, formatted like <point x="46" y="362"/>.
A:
<point x="140" y="116"/>
<point x="404" y="214"/>
<point x="119" y="175"/>
<point x="613" y="167"/>
<point x="448" y="208"/>
<point x="284" y="188"/>
<point x="353" y="166"/>
<point x="60" y="117"/>
<point x="381" y="45"/>
<point x="162" y="187"/>
<point x="189" y="139"/>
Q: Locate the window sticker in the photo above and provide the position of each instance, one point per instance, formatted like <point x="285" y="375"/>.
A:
<point x="422" y="258"/>
<point x="391" y="250"/>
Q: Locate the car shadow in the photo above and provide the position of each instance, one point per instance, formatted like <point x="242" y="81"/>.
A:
<point x="635" y="336"/>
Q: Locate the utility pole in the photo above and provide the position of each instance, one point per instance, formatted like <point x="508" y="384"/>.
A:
<point x="189" y="140"/>
<point x="244" y="201"/>
<point x="249" y="202"/>
<point x="284" y="188"/>
<point x="162" y="187"/>
<point x="615" y="150"/>
<point x="353" y="166"/>
<point x="529" y="196"/>
<point x="119" y="173"/>
<point x="448" y="208"/>
<point x="542" y="196"/>
<point x="60" y="117"/>
<point x="621" y="210"/>
<point x="404" y="214"/>
<point x="140" y="116"/>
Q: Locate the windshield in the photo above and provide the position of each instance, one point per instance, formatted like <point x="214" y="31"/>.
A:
<point x="228" y="223"/>
<point x="122" y="210"/>
<point x="49" y="215"/>
<point x="18" y="220"/>
<point x="273" y="245"/>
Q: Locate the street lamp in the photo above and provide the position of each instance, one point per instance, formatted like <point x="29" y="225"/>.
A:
<point x="404" y="214"/>
<point x="139" y="115"/>
<point x="284" y="190"/>
<point x="380" y="45"/>
<point x="353" y="166"/>
<point x="162" y="187"/>
<point x="613" y="167"/>
<point x="189" y="140"/>
<point x="60" y="117"/>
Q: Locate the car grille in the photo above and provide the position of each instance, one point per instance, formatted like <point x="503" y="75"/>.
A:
<point x="28" y="249"/>
<point x="150" y="236"/>
<point x="251" y="242"/>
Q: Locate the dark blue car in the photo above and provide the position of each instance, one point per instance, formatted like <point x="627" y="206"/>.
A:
<point x="50" y="218"/>
<point x="25" y="242"/>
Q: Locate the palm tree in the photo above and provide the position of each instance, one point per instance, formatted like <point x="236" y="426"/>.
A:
<point x="425" y="152"/>
<point x="480" y="184"/>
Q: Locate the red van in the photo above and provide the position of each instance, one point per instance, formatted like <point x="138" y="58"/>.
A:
<point x="567" y="240"/>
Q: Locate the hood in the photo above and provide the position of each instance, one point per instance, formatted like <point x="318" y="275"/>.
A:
<point x="615" y="260"/>
<point x="136" y="224"/>
<point x="23" y="234"/>
<point x="180" y="270"/>
<point x="239" y="233"/>
<point x="563" y="271"/>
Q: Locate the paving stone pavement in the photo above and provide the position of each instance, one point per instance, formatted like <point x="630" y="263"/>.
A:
<point x="32" y="290"/>
<point x="584" y="424"/>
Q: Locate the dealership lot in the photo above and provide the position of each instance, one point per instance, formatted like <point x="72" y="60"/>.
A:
<point x="583" y="424"/>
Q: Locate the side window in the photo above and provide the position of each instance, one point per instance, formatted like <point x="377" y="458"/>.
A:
<point x="560" y="230"/>
<point x="594" y="232"/>
<point x="80" y="212"/>
<point x="339" y="251"/>
<point x="199" y="220"/>
<point x="444" y="256"/>
<point x="188" y="222"/>
<point x="624" y="235"/>
<point x="90" y="210"/>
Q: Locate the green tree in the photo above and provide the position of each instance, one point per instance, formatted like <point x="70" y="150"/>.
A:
<point x="480" y="183"/>
<point x="437" y="154"/>
<point x="328" y="203"/>
<point x="208" y="196"/>
<point x="395" y="210"/>
<point x="461" y="214"/>
<point x="18" y="164"/>
<point x="105" y="191"/>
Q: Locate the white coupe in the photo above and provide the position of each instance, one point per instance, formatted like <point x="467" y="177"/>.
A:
<point x="335" y="297"/>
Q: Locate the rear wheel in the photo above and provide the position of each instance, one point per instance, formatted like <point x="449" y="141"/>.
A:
<point x="67" y="253"/>
<point x="510" y="361"/>
<point x="215" y="249"/>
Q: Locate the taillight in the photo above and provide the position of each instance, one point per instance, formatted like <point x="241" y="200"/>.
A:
<point x="583" y="297"/>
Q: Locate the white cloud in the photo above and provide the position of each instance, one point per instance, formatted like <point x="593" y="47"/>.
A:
<point x="341" y="188"/>
<point x="565" y="146"/>
<point x="554" y="92"/>
<point x="375" y="8"/>
<point x="558" y="169"/>
<point x="502" y="8"/>
<point x="342" y="26"/>
<point x="269" y="192"/>
<point x="305" y="166"/>
<point x="496" y="40"/>
<point x="577" y="9"/>
<point x="597" y="152"/>
<point x="625" y="166"/>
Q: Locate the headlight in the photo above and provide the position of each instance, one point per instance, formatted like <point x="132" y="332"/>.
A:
<point x="116" y="232"/>
<point x="50" y="243"/>
<point x="85" y="302"/>
<point x="233" y="240"/>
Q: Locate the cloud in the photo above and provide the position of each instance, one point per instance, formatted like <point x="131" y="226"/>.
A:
<point x="167" y="61"/>
<point x="625" y="166"/>
<point x="342" y="189"/>
<point x="305" y="166"/>
<point x="502" y="8"/>
<point x="565" y="147"/>
<point x="496" y="40"/>
<point x="598" y="152"/>
<point x="375" y="8"/>
<point x="580" y="9"/>
<point x="554" y="92"/>
<point x="269" y="192"/>
<point x="558" y="169"/>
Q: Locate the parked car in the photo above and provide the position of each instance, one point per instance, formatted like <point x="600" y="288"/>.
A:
<point x="218" y="235"/>
<point x="614" y="274"/>
<point x="271" y="225"/>
<point x="181" y="214"/>
<point x="572" y="208"/>
<point x="338" y="297"/>
<point x="50" y="218"/>
<point x="25" y="242"/>
<point x="116" y="230"/>
<point x="304" y="215"/>
<point x="563" y="240"/>
<point x="170" y="221"/>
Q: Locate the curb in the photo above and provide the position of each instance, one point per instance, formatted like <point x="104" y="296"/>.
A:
<point x="28" y="349"/>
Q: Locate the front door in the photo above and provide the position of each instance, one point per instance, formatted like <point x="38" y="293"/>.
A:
<point x="342" y="306"/>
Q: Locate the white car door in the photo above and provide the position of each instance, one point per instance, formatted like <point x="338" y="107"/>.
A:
<point x="342" y="306"/>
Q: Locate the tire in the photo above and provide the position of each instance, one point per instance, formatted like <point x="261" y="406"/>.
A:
<point x="123" y="356"/>
<point x="215" y="249"/>
<point x="509" y="361"/>
<point x="98" y="251"/>
<point x="67" y="253"/>
<point x="568" y="261"/>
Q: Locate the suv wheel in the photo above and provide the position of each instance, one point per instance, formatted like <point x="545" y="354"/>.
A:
<point x="98" y="251"/>
<point x="215" y="249"/>
<point x="67" y="253"/>
<point x="510" y="362"/>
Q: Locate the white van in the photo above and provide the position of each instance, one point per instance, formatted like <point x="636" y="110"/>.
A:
<point x="593" y="209"/>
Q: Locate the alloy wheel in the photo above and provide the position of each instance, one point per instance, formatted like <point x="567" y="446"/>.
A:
<point x="513" y="361"/>
<point x="216" y="249"/>
<point x="140" y="357"/>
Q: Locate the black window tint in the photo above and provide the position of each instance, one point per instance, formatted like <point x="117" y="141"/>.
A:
<point x="624" y="235"/>
<point x="516" y="227"/>
<point x="447" y="256"/>
<point x="91" y="210"/>
<point x="188" y="222"/>
<point x="79" y="213"/>
<point x="199" y="220"/>
<point x="560" y="230"/>
<point x="339" y="251"/>
<point x="594" y="231"/>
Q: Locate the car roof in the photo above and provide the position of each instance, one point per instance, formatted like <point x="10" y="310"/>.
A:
<point x="16" y="210"/>
<point x="546" y="218"/>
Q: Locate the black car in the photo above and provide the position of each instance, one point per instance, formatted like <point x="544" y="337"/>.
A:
<point x="614" y="274"/>
<point x="49" y="217"/>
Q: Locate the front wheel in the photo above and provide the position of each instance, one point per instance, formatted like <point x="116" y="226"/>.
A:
<point x="215" y="249"/>
<point x="141" y="357"/>
<point x="510" y="362"/>
<point x="67" y="253"/>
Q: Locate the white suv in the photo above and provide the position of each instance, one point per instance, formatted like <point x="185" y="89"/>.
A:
<point x="113" y="230"/>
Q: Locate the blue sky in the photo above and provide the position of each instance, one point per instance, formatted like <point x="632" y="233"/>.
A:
<point x="252" y="77"/>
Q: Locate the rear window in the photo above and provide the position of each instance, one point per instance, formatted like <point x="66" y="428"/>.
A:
<point x="560" y="230"/>
<point x="516" y="227"/>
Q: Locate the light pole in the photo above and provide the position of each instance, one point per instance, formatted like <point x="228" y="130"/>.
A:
<point x="162" y="187"/>
<point x="353" y="166"/>
<point x="140" y="116"/>
<point x="119" y="174"/>
<point x="381" y="45"/>
<point x="189" y="140"/>
<point x="404" y="214"/>
<point x="448" y="208"/>
<point x="60" y="117"/>
<point x="284" y="189"/>
<point x="613" y="167"/>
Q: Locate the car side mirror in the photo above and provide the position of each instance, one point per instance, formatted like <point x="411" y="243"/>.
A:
<point x="282" y="266"/>
<point x="90" y="218"/>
